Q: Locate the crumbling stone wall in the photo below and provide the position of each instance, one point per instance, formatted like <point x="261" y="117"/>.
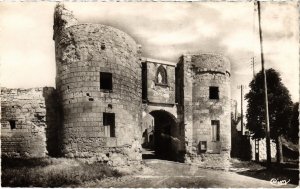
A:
<point x="83" y="51"/>
<point x="25" y="118"/>
<point x="200" y="73"/>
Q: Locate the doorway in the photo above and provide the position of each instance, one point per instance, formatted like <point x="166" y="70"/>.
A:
<point x="162" y="138"/>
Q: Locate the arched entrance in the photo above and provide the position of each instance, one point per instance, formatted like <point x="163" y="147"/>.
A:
<point x="162" y="138"/>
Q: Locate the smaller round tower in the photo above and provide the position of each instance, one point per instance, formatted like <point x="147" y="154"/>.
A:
<point x="207" y="92"/>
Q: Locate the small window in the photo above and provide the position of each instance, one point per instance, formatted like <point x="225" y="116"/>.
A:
<point x="202" y="146"/>
<point x="215" y="130"/>
<point x="12" y="124"/>
<point x="213" y="92"/>
<point x="102" y="46"/>
<point x="161" y="76"/>
<point x="109" y="124"/>
<point x="106" y="81"/>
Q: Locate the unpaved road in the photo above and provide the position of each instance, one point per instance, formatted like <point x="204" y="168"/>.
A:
<point x="163" y="174"/>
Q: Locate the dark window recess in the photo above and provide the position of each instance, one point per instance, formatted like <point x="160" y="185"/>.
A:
<point x="213" y="92"/>
<point x="102" y="46"/>
<point x="109" y="106"/>
<point x="109" y="124"/>
<point x="215" y="130"/>
<point x="105" y="81"/>
<point x="144" y="82"/>
<point x="12" y="124"/>
<point x="87" y="94"/>
<point x="202" y="146"/>
<point x="161" y="76"/>
<point x="91" y="99"/>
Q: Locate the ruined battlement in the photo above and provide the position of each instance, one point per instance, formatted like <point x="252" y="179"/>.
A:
<point x="63" y="18"/>
<point x="29" y="122"/>
<point x="97" y="43"/>
<point x="209" y="62"/>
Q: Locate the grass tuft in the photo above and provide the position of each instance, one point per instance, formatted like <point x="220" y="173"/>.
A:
<point x="51" y="172"/>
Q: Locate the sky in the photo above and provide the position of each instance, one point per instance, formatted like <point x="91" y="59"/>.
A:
<point x="165" y="30"/>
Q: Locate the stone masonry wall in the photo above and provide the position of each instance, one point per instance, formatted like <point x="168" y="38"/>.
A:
<point x="211" y="70"/>
<point x="161" y="98"/>
<point x="186" y="102"/>
<point x="201" y="72"/>
<point x="181" y="111"/>
<point x="160" y="93"/>
<point x="53" y="121"/>
<point x="82" y="52"/>
<point x="32" y="116"/>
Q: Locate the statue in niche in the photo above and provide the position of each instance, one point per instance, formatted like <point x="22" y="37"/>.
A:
<point x="161" y="75"/>
<point x="159" y="78"/>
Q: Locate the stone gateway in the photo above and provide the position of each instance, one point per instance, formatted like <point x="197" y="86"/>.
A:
<point x="110" y="102"/>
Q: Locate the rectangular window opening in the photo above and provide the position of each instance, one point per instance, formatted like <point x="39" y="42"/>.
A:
<point x="213" y="92"/>
<point x="109" y="124"/>
<point x="12" y="124"/>
<point x="215" y="130"/>
<point x="106" y="81"/>
<point x="202" y="146"/>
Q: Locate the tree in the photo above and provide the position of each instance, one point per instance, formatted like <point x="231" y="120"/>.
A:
<point x="293" y="130"/>
<point x="280" y="108"/>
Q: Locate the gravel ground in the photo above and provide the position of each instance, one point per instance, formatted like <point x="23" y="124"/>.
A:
<point x="162" y="173"/>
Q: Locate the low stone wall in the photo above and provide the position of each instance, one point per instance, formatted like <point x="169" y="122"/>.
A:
<point x="210" y="160"/>
<point x="31" y="127"/>
<point x="262" y="150"/>
<point x="24" y="118"/>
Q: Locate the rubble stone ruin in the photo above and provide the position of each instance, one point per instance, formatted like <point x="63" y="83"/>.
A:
<point x="109" y="102"/>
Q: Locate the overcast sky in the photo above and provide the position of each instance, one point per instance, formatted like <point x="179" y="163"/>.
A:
<point x="165" y="31"/>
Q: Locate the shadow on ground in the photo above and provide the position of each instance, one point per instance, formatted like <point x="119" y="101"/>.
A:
<point x="148" y="153"/>
<point x="287" y="171"/>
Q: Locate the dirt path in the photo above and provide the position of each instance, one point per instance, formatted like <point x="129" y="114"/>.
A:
<point x="161" y="173"/>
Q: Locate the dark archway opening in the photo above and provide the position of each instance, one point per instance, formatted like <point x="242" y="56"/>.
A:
<point x="162" y="140"/>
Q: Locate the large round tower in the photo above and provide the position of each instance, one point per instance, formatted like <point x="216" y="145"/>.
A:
<point x="99" y="81"/>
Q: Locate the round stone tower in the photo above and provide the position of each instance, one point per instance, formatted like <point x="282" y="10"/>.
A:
<point x="207" y="97"/>
<point x="99" y="81"/>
